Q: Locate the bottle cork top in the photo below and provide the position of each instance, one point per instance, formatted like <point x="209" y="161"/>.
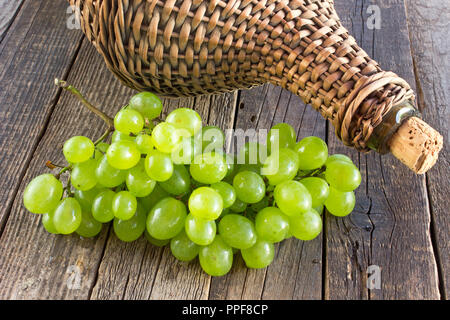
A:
<point x="416" y="144"/>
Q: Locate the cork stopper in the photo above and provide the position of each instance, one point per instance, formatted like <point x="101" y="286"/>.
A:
<point x="416" y="145"/>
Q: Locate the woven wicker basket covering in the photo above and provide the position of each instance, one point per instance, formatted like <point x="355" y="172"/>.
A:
<point x="192" y="47"/>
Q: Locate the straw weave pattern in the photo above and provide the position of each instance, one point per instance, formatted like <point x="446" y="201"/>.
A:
<point x="192" y="47"/>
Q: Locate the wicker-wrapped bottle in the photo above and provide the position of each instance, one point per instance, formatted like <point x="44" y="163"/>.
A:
<point x="192" y="47"/>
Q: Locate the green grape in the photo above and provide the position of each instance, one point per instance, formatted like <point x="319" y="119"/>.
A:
<point x="312" y="153"/>
<point x="271" y="224"/>
<point x="252" y="153"/>
<point x="67" y="216"/>
<point x="195" y="184"/>
<point x="123" y="155"/>
<point x="281" y="135"/>
<point x="216" y="259"/>
<point x="42" y="194"/>
<point x="208" y="168"/>
<point x="200" y="231"/>
<point x="187" y="150"/>
<point x="89" y="227"/>
<point x="260" y="205"/>
<point x="119" y="136"/>
<point x="100" y="150"/>
<point x="319" y="209"/>
<point x="256" y="168"/>
<point x="47" y="222"/>
<point x="205" y="203"/>
<point x="288" y="235"/>
<point x="153" y="198"/>
<point x="238" y="206"/>
<point x="343" y="176"/>
<point x="86" y="198"/>
<point x="158" y="166"/>
<point x="231" y="165"/>
<point x="292" y="197"/>
<point x="131" y="229"/>
<point x="179" y="183"/>
<point x="107" y="175"/>
<point x="227" y="193"/>
<point x="225" y="212"/>
<point x="213" y="139"/>
<point x="185" y="119"/>
<point x="102" y="206"/>
<point x="138" y="182"/>
<point x="129" y="121"/>
<point x="155" y="242"/>
<point x="78" y="149"/>
<point x="306" y="225"/>
<point x="317" y="188"/>
<point x="237" y="231"/>
<point x="281" y="166"/>
<point x="147" y="103"/>
<point x="97" y="155"/>
<point x="340" y="203"/>
<point x="83" y="176"/>
<point x="166" y="219"/>
<point x="165" y="137"/>
<point x="102" y="147"/>
<point x="337" y="156"/>
<point x="260" y="255"/>
<point x="249" y="186"/>
<point x="124" y="205"/>
<point x="144" y="143"/>
<point x="183" y="248"/>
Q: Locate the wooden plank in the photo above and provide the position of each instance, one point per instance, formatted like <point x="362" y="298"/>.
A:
<point x="35" y="264"/>
<point x="149" y="272"/>
<point x="428" y="31"/>
<point x="8" y="11"/>
<point x="260" y="108"/>
<point x="14" y="39"/>
<point x="37" y="51"/>
<point x="390" y="225"/>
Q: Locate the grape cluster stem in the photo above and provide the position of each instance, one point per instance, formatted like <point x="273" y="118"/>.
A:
<point x="108" y="120"/>
<point x="62" y="171"/>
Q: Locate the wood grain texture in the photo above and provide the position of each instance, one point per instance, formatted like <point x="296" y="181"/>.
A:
<point x="428" y="30"/>
<point x="39" y="50"/>
<point x="390" y="225"/>
<point x="296" y="270"/>
<point x="8" y="11"/>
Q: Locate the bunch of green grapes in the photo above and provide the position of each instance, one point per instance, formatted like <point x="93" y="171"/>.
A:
<point x="172" y="181"/>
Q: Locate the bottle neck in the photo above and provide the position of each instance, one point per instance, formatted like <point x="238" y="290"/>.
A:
<point x="391" y="122"/>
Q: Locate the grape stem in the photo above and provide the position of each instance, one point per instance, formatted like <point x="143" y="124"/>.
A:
<point x="104" y="136"/>
<point x="49" y="164"/>
<point x="62" y="171"/>
<point x="108" y="120"/>
<point x="68" y="188"/>
<point x="313" y="173"/>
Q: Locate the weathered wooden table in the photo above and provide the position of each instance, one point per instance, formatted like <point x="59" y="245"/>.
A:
<point x="400" y="223"/>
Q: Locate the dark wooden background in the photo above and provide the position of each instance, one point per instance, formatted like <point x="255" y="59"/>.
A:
<point x="400" y="223"/>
